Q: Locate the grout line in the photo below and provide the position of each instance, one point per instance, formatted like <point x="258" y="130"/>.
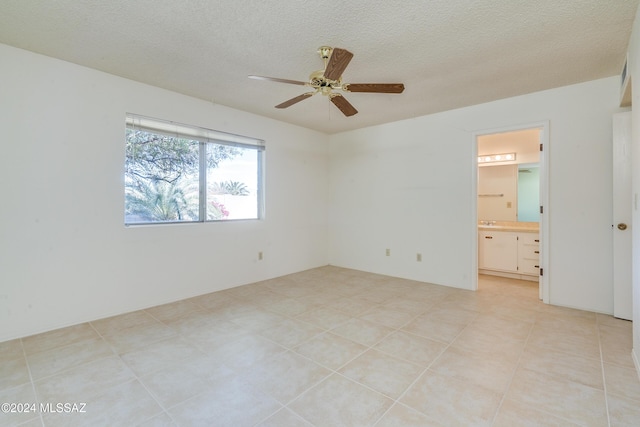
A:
<point x="33" y="384"/>
<point x="513" y="375"/>
<point x="604" y="380"/>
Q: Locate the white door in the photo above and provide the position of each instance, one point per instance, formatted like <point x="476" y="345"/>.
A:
<point x="622" y="288"/>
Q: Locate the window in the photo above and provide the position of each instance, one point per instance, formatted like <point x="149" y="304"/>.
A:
<point x="177" y="173"/>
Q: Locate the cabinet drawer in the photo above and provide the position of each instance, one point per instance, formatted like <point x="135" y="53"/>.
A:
<point x="529" y="252"/>
<point x="529" y="238"/>
<point x="529" y="266"/>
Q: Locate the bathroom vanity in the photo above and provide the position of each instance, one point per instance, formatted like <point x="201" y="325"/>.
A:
<point x="509" y="249"/>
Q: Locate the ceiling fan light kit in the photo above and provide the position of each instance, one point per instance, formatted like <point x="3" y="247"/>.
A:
<point x="329" y="80"/>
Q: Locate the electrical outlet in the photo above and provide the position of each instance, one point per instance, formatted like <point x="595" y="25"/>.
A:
<point x="259" y="256"/>
<point x="388" y="252"/>
<point x="419" y="257"/>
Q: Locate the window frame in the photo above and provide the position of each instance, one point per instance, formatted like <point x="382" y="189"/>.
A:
<point x="204" y="137"/>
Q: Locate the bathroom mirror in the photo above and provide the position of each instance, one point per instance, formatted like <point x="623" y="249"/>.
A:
<point x="509" y="192"/>
<point x="529" y="193"/>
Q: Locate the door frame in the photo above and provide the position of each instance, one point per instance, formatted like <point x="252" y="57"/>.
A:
<point x="544" y="281"/>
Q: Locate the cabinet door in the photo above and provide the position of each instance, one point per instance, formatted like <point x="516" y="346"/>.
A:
<point x="498" y="250"/>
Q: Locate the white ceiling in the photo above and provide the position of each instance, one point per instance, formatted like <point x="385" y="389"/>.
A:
<point x="448" y="53"/>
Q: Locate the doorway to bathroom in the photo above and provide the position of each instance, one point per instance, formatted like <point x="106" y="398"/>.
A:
<point x="511" y="188"/>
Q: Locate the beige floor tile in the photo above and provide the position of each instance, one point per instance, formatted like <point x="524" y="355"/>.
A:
<point x="560" y="397"/>
<point x="338" y="401"/>
<point x="212" y="301"/>
<point x="291" y="333"/>
<point x="110" y="409"/>
<point x="557" y="338"/>
<point x="617" y="344"/>
<point x="285" y="376"/>
<point x="491" y="372"/>
<point x="562" y="314"/>
<point x="330" y="350"/>
<point x="259" y="320"/>
<point x="177" y="383"/>
<point x="623" y="412"/>
<point x="58" y="338"/>
<point x="293" y="290"/>
<point x="290" y="306"/>
<point x="138" y="337"/>
<point x="414" y="307"/>
<point x="467" y="301"/>
<point x="246" y="351"/>
<point x="195" y="321"/>
<point x="158" y="355"/>
<point x="387" y="317"/>
<point x="362" y="331"/>
<point x="446" y="401"/>
<point x="513" y="414"/>
<point x="19" y="394"/>
<point x="284" y="418"/>
<point x="35" y="422"/>
<point x="403" y="416"/>
<point x="608" y="320"/>
<point x="56" y="360"/>
<point x="11" y="349"/>
<point x="116" y="324"/>
<point x="162" y="420"/>
<point x="173" y="311"/>
<point x="325" y="318"/>
<point x="325" y="298"/>
<point x="13" y="372"/>
<point x="563" y="365"/>
<point x="510" y="309"/>
<point x="413" y="348"/>
<point x="491" y="323"/>
<point x="352" y="306"/>
<point x="262" y="297"/>
<point x="384" y="373"/>
<point x="379" y="295"/>
<point x="84" y="382"/>
<point x="436" y="328"/>
<point x="622" y="381"/>
<point x="489" y="343"/>
<point x="215" y="334"/>
<point x="235" y="404"/>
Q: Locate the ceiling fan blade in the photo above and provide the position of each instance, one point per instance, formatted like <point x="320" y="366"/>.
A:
<point x="274" y="79"/>
<point x="343" y="105"/>
<point x="295" y="100"/>
<point x="374" y="87"/>
<point x="338" y="62"/>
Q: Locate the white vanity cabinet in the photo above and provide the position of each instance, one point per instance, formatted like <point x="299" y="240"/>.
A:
<point x="498" y="250"/>
<point x="511" y="253"/>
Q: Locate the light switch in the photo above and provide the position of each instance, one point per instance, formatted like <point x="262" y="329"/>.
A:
<point x="508" y="204"/>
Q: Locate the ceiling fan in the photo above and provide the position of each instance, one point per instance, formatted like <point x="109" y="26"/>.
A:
<point x="330" y="79"/>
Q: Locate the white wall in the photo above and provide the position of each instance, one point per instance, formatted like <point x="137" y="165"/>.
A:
<point x="634" y="71"/>
<point x="65" y="255"/>
<point x="407" y="186"/>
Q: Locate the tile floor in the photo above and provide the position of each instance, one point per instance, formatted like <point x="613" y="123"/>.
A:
<point x="332" y="347"/>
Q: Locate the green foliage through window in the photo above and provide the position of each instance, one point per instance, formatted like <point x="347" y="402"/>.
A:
<point x="185" y="177"/>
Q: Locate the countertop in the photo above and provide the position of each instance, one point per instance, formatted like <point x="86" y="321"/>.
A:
<point x="528" y="227"/>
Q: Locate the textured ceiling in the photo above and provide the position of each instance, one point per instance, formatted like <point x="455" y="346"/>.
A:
<point x="448" y="53"/>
